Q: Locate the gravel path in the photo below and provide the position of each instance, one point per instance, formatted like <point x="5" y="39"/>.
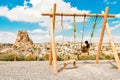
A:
<point x="39" y="70"/>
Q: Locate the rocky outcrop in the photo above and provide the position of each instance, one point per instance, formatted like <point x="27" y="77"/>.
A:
<point x="23" y="45"/>
<point x="23" y="38"/>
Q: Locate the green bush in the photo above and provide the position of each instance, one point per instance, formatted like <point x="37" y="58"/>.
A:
<point x="30" y="57"/>
<point x="83" y="57"/>
<point x="20" y="58"/>
<point x="7" y="57"/>
<point x="45" y="57"/>
<point x="106" y="57"/>
<point x="41" y="59"/>
<point x="109" y="57"/>
<point x="67" y="57"/>
<point x="92" y="57"/>
<point x="61" y="57"/>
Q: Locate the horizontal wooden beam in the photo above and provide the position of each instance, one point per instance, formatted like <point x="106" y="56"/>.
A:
<point x="78" y="14"/>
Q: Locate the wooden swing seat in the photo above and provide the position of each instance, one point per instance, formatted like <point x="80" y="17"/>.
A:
<point x="69" y="61"/>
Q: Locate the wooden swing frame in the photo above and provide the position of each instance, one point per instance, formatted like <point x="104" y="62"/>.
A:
<point x="53" y="55"/>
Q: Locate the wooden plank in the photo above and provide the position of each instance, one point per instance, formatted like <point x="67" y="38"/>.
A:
<point x="53" y="41"/>
<point x="113" y="46"/>
<point x="102" y="34"/>
<point x="78" y="14"/>
<point x="69" y="61"/>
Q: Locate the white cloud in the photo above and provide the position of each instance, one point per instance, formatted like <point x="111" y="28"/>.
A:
<point x="110" y="2"/>
<point x="7" y="37"/>
<point x="115" y="22"/>
<point x="96" y="39"/>
<point x="38" y="31"/>
<point x="37" y="38"/>
<point x="3" y="11"/>
<point x="39" y="35"/>
<point x="117" y="15"/>
<point x="116" y="39"/>
<point x="33" y="14"/>
<point x="21" y="13"/>
<point x="115" y="27"/>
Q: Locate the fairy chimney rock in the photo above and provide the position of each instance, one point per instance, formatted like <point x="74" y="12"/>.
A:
<point x="23" y="38"/>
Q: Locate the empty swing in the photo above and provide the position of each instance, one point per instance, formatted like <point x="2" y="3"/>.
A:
<point x="74" y="29"/>
<point x="63" y="52"/>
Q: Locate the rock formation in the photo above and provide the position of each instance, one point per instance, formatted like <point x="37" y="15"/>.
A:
<point x="23" y="45"/>
<point x="23" y="38"/>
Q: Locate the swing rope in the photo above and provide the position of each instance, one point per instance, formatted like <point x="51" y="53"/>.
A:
<point x="74" y="34"/>
<point x="83" y="29"/>
<point x="63" y="52"/>
<point x="62" y="26"/>
<point x="94" y="26"/>
<point x="74" y="30"/>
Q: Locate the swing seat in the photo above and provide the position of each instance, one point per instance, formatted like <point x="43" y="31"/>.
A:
<point x="85" y="54"/>
<point x="69" y="61"/>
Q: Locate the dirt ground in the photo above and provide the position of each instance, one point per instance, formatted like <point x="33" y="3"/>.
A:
<point x="39" y="70"/>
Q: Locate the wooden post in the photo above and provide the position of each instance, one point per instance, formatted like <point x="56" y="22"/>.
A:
<point x="102" y="34"/>
<point x="113" y="46"/>
<point x="50" y="55"/>
<point x="15" y="57"/>
<point x="53" y="41"/>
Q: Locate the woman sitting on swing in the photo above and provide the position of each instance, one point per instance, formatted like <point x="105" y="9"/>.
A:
<point x="85" y="48"/>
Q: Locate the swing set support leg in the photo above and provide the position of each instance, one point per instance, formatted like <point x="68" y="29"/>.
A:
<point x="113" y="46"/>
<point x="102" y="34"/>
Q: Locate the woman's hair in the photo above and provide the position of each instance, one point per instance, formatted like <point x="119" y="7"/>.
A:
<point x="88" y="46"/>
<point x="86" y="42"/>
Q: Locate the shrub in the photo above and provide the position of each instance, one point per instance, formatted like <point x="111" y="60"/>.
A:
<point x="61" y="57"/>
<point x="109" y="57"/>
<point x="67" y="57"/>
<point x="92" y="57"/>
<point x="20" y="57"/>
<point x="45" y="57"/>
<point x="83" y="57"/>
<point x="7" y="57"/>
<point x="30" y="57"/>
<point x="41" y="58"/>
<point x="106" y="57"/>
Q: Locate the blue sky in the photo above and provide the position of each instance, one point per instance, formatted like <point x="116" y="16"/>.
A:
<point x="26" y="15"/>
